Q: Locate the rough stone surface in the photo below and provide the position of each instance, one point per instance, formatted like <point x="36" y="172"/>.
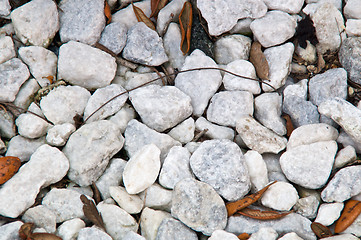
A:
<point x="114" y="37"/>
<point x="130" y="203"/>
<point x="232" y="47"/>
<point x="7" y="124"/>
<point x="126" y="15"/>
<point x="58" y="135"/>
<point x="198" y="206"/>
<point x="172" y="40"/>
<point x="150" y="220"/>
<point x="23" y="147"/>
<point x="123" y="116"/>
<point x="183" y="132"/>
<point x="289" y="6"/>
<point x="42" y="217"/>
<point x="168" y="13"/>
<point x="5" y="8"/>
<point x="26" y="93"/>
<point x="92" y="233"/>
<point x="302" y="112"/>
<point x="264" y="231"/>
<point x="352" y="9"/>
<point x="353" y="27"/>
<point x="214" y="131"/>
<point x="174" y="229"/>
<point x="290" y="236"/>
<point x="157" y="197"/>
<point x="47" y="165"/>
<point x="344" y="156"/>
<point x="221" y="234"/>
<point x="307" y="206"/>
<point x="31" y="126"/>
<point x="133" y="236"/>
<point x="69" y="229"/>
<point x="7" y="50"/>
<point x="257" y="170"/>
<point x="328" y="213"/>
<point x="350" y="58"/>
<point x="281" y="196"/>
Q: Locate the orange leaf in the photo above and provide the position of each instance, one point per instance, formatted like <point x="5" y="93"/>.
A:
<point x="289" y="124"/>
<point x="141" y="17"/>
<point x="243" y="236"/>
<point x="262" y="215"/>
<point x="233" y="207"/>
<point x="50" y="78"/>
<point x="44" y="236"/>
<point x="259" y="61"/>
<point x="185" y="21"/>
<point x="8" y="167"/>
<point x="320" y="230"/>
<point x="349" y="213"/>
<point x="107" y="11"/>
<point x="156" y="6"/>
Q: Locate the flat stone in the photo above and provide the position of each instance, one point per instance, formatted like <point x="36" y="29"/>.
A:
<point x="345" y="156"/>
<point x="7" y="50"/>
<point x="130" y="203"/>
<point x="97" y="67"/>
<point x="197" y="205"/>
<point x="13" y="74"/>
<point x="352" y="9"/>
<point x="89" y="150"/>
<point x="171" y="40"/>
<point x="258" y="137"/>
<point x="183" y="132"/>
<point x="302" y="112"/>
<point x="328" y="213"/>
<point x="221" y="164"/>
<point x="126" y="15"/>
<point x="309" y="165"/>
<point x="274" y="28"/>
<point x="46" y="166"/>
<point x="281" y="196"/>
<point x="36" y="22"/>
<point x="171" y="228"/>
<point x="114" y="37"/>
<point x="58" y="135"/>
<point x="288" y="6"/>
<point x="42" y="217"/>
<point x="257" y="170"/>
<point x="22" y="147"/>
<point x="353" y="27"/>
<point x="222" y="15"/>
<point x="214" y="131"/>
<point x="144" y="46"/>
<point x="63" y="103"/>
<point x="199" y="85"/>
<point x="227" y="107"/>
<point x="350" y="58"/>
<point x="169" y="13"/>
<point x="31" y="126"/>
<point x="92" y="233"/>
<point x="69" y="229"/>
<point x="232" y="47"/>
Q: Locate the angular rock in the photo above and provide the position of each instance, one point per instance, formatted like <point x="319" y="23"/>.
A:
<point x="26" y="93"/>
<point x="171" y="228"/>
<point x="157" y="197"/>
<point x="258" y="137"/>
<point x="352" y="9"/>
<point x="214" y="131"/>
<point x="183" y="132"/>
<point x="198" y="206"/>
<point x="92" y="233"/>
<point x="89" y="150"/>
<point x="345" y="156"/>
<point x="231" y="48"/>
<point x="22" y="147"/>
<point x="31" y="126"/>
<point x="82" y="65"/>
<point x="168" y="13"/>
<point x="288" y="6"/>
<point x="126" y="15"/>
<point x="47" y="165"/>
<point x="42" y="217"/>
<point x="7" y="50"/>
<point x="36" y="22"/>
<point x="58" y="135"/>
<point x="302" y="112"/>
<point x="227" y="107"/>
<point x="281" y="196"/>
<point x="142" y="169"/>
<point x="161" y="108"/>
<point x="199" y="85"/>
<point x="350" y="59"/>
<point x="150" y="221"/>
<point x="134" y="80"/>
<point x="171" y="40"/>
<point x="130" y="203"/>
<point x="307" y="206"/>
<point x="274" y="28"/>
<point x="242" y="26"/>
<point x="328" y="213"/>
<point x="13" y="74"/>
<point x="309" y="165"/>
<point x="7" y="124"/>
<point x="144" y="46"/>
<point x="353" y="27"/>
<point x="114" y="37"/>
<point x="69" y="229"/>
<point x="123" y="116"/>
<point x="257" y="170"/>
<point x="5" y="8"/>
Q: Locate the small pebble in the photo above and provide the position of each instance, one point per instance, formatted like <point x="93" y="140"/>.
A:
<point x="150" y="220"/>
<point x="58" y="135"/>
<point x="68" y="230"/>
<point x="264" y="231"/>
<point x="171" y="228"/>
<point x="281" y="196"/>
<point x="231" y="48"/>
<point x="221" y="235"/>
<point x="7" y="50"/>
<point x="157" y="197"/>
<point x="130" y="203"/>
<point x="184" y="131"/>
<point x="328" y="213"/>
<point x="257" y="170"/>
<point x="345" y="156"/>
<point x="92" y="233"/>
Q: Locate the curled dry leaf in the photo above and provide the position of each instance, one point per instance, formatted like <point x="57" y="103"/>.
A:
<point x="185" y="22"/>
<point x="156" y="6"/>
<point x="8" y="167"/>
<point x="262" y="215"/>
<point x="96" y="193"/>
<point x="320" y="230"/>
<point x="259" y="61"/>
<point x="233" y="207"/>
<point x="349" y="213"/>
<point x="141" y="17"/>
<point x="107" y="11"/>
<point x="243" y="236"/>
<point x="91" y="212"/>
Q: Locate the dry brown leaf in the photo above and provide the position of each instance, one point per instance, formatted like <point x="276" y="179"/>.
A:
<point x="26" y="230"/>
<point x="289" y="124"/>
<point x="107" y="11"/>
<point x="349" y="213"/>
<point x="243" y="236"/>
<point x="320" y="230"/>
<point x="96" y="193"/>
<point x="141" y="17"/>
<point x="8" y="167"/>
<point x="259" y="61"/>
<point x="185" y="22"/>
<point x="233" y="207"/>
<point x="91" y="212"/>
<point x="156" y="6"/>
<point x="44" y="236"/>
<point x="262" y="215"/>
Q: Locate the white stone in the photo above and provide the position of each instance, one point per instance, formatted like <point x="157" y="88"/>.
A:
<point x="133" y="236"/>
<point x="123" y="116"/>
<point x="328" y="213"/>
<point x="353" y="27"/>
<point x="214" y="131"/>
<point x="290" y="236"/>
<point x="114" y="37"/>
<point x="83" y="65"/>
<point x="344" y="156"/>
<point x="149" y="222"/>
<point x="346" y="140"/>
<point x="231" y="48"/>
<point x="346" y="236"/>
<point x="171" y="228"/>
<point x="36" y="22"/>
<point x="157" y="197"/>
<point x="130" y="203"/>
<point x="242" y="26"/>
<point x="171" y="41"/>
<point x="134" y="80"/>
<point x="183" y="132"/>
<point x="169" y="13"/>
<point x="31" y="126"/>
<point x="289" y="6"/>
<point x="68" y="230"/>
<point x="352" y="9"/>
<point x="281" y="196"/>
<point x="92" y="233"/>
<point x="126" y="15"/>
<point x="307" y="206"/>
<point x="192" y="146"/>
<point x="10" y="231"/>
<point x="142" y="169"/>
<point x="257" y="170"/>
<point x="23" y="147"/>
<point x="222" y="235"/>
<point x="59" y="134"/>
<point x="298" y="89"/>
<point x="4" y="8"/>
<point x="26" y="93"/>
<point x="274" y="28"/>
<point x="7" y="50"/>
<point x="41" y="217"/>
<point x="263" y="232"/>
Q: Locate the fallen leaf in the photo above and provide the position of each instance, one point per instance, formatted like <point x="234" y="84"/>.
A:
<point x="259" y="61"/>
<point x="141" y="17"/>
<point x="96" y="193"/>
<point x="243" y="236"/>
<point x="107" y="11"/>
<point x="185" y="22"/>
<point x="26" y="230"/>
<point x="156" y="6"/>
<point x="8" y="167"/>
<point x="233" y="207"/>
<point x="349" y="213"/>
<point x="50" y="78"/>
<point x="44" y="236"/>
<point x="91" y="212"/>
<point x="289" y="124"/>
<point x="262" y="215"/>
<point x="320" y="230"/>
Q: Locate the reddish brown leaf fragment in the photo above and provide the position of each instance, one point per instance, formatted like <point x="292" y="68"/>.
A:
<point x="233" y="207"/>
<point x="91" y="212"/>
<point x="107" y="11"/>
<point x="141" y="17"/>
<point x="243" y="236"/>
<point x="26" y="230"/>
<point x="96" y="193"/>
<point x="262" y="215"/>
<point x="50" y="78"/>
<point x="349" y="213"/>
<point x="185" y="21"/>
<point x="289" y="124"/>
<point x="259" y="61"/>
<point x="44" y="236"/>
<point x="320" y="230"/>
<point x="156" y="6"/>
<point x="8" y="167"/>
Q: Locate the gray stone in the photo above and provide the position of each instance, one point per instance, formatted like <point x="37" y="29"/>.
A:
<point x="242" y="26"/>
<point x="281" y="196"/>
<point x="353" y="27"/>
<point x="221" y="164"/>
<point x="352" y="9"/>
<point x="350" y="58"/>
<point x="258" y="137"/>
<point x="328" y="213"/>
<point x="214" y="131"/>
<point x="232" y="47"/>
<point x="138" y="135"/>
<point x="273" y="167"/>
<point x="274" y="28"/>
<point x="199" y="85"/>
<point x="92" y="233"/>
<point x="114" y="37"/>
<point x="41" y="217"/>
<point x="126" y="15"/>
<point x="7" y="124"/>
<point x="161" y="108"/>
<point x="47" y="165"/>
<point x="10" y="231"/>
<point x="2" y="147"/>
<point x="36" y="22"/>
<point x="81" y="21"/>
<point x="150" y="220"/>
<point x="157" y="197"/>
<point x="63" y="103"/>
<point x="22" y="147"/>
<point x="31" y="126"/>
<point x="331" y="84"/>
<point x="174" y="229"/>
<point x="183" y="132"/>
<point x="298" y="89"/>
<point x="307" y="206"/>
<point x="222" y="15"/>
<point x="344" y="185"/>
<point x="289" y="6"/>
<point x="58" y="135"/>
<point x="26" y="93"/>
<point x="309" y="165"/>
<point x="345" y="140"/>
<point x="13" y="74"/>
<point x="123" y="116"/>
<point x="83" y="65"/>
<point x="175" y="167"/>
<point x="172" y="40"/>
<point x="134" y="80"/>
<point x="227" y="107"/>
<point x="198" y="206"/>
<point x="302" y="112"/>
<point x="169" y="13"/>
<point x="7" y="50"/>
<point x="144" y="46"/>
